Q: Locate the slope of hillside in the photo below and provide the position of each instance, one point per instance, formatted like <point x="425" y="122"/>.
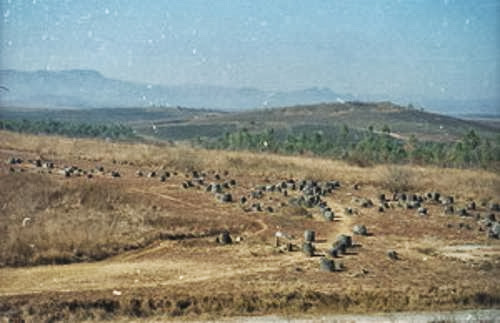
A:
<point x="402" y="121"/>
<point x="108" y="115"/>
<point x="132" y="247"/>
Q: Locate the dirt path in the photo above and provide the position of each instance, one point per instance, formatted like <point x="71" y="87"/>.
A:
<point x="344" y="223"/>
<point x="129" y="270"/>
<point x="264" y="227"/>
<point x="168" y="197"/>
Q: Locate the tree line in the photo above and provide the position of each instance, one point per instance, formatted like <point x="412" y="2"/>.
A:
<point x="70" y="129"/>
<point x="367" y="147"/>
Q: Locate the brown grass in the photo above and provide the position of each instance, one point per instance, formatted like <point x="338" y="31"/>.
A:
<point x="397" y="179"/>
<point x="178" y="269"/>
<point x="473" y="183"/>
<point x="68" y="223"/>
<point x="210" y="306"/>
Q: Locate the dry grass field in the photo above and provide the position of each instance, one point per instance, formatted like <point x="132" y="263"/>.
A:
<point x="99" y="247"/>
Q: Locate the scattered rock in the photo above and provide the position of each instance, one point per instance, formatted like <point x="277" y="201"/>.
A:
<point x="449" y="209"/>
<point x="309" y="236"/>
<point x="224" y="198"/>
<point x="471" y="205"/>
<point x="224" y="238"/>
<point x="494" y="231"/>
<point x="345" y="240"/>
<point x="339" y="266"/>
<point x="257" y="194"/>
<point x="447" y="200"/>
<point x="363" y="202"/>
<point x="26" y="221"/>
<point x="495" y="207"/>
<point x="308" y="249"/>
<point x="334" y="252"/>
<point x="329" y="215"/>
<point x="256" y="207"/>
<point x="491" y="217"/>
<point x="422" y="211"/>
<point x="216" y="188"/>
<point x="392" y="255"/>
<point x="360" y="229"/>
<point x="14" y="160"/>
<point x="435" y="196"/>
<point x="326" y="264"/>
<point x="227" y="197"/>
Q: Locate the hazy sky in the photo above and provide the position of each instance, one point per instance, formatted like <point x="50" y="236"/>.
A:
<point x="434" y="48"/>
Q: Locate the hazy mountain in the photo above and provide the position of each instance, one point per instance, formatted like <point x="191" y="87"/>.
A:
<point x="453" y="107"/>
<point x="90" y="89"/>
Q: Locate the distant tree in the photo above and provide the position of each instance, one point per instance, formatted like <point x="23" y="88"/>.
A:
<point x="344" y="131"/>
<point x="413" y="141"/>
<point x="363" y="147"/>
<point x="471" y="139"/>
<point x="386" y="129"/>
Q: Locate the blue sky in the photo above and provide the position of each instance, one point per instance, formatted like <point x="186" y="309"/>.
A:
<point x="431" y="48"/>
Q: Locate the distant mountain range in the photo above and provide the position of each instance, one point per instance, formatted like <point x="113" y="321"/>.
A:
<point x="90" y="89"/>
<point x="453" y="107"/>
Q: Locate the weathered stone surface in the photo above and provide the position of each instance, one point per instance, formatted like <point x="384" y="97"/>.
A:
<point x="360" y="229"/>
<point x="308" y="249"/>
<point x="309" y="235"/>
<point x="392" y="255"/>
<point x="327" y="265"/>
<point x="224" y="238"/>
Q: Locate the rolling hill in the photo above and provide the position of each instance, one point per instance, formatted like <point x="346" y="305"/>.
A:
<point x="402" y="121"/>
<point x="186" y="123"/>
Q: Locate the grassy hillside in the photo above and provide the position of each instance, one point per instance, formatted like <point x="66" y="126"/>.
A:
<point x="114" y="115"/>
<point x="363" y="133"/>
<point x="141" y="248"/>
<point x="401" y="120"/>
<point x="183" y="123"/>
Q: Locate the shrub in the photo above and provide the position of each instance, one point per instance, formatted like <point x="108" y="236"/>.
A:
<point x="397" y="179"/>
